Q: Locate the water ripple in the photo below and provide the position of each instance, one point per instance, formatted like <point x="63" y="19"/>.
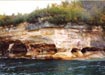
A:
<point x="51" y="67"/>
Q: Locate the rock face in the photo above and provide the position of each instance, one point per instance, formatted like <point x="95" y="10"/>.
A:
<point x="3" y="47"/>
<point x="44" y="47"/>
<point x="56" y="43"/>
<point x="18" y="47"/>
<point x="74" y="50"/>
<point x="66" y="38"/>
<point x="90" y="49"/>
<point x="39" y="46"/>
<point x="4" y="44"/>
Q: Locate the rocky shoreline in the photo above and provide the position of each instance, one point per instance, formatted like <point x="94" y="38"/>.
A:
<point x="17" y="49"/>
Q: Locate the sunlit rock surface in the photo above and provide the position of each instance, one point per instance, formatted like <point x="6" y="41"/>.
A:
<point x="74" y="38"/>
<point x="57" y="43"/>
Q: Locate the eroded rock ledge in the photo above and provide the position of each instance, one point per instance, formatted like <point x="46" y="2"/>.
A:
<point x="31" y="50"/>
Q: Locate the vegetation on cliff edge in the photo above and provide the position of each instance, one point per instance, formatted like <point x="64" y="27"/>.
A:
<point x="64" y="13"/>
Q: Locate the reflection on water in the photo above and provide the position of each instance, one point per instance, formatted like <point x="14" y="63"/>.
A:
<point x="51" y="67"/>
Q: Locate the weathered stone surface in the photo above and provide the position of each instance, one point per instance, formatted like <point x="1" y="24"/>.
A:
<point x="37" y="49"/>
<point x="63" y="55"/>
<point x="74" y="50"/>
<point x="90" y="49"/>
<point x="3" y="47"/>
<point x="4" y="44"/>
<point x="18" y="47"/>
<point x="47" y="51"/>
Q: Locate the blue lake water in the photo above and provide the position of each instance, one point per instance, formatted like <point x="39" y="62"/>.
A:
<point x="51" y="67"/>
